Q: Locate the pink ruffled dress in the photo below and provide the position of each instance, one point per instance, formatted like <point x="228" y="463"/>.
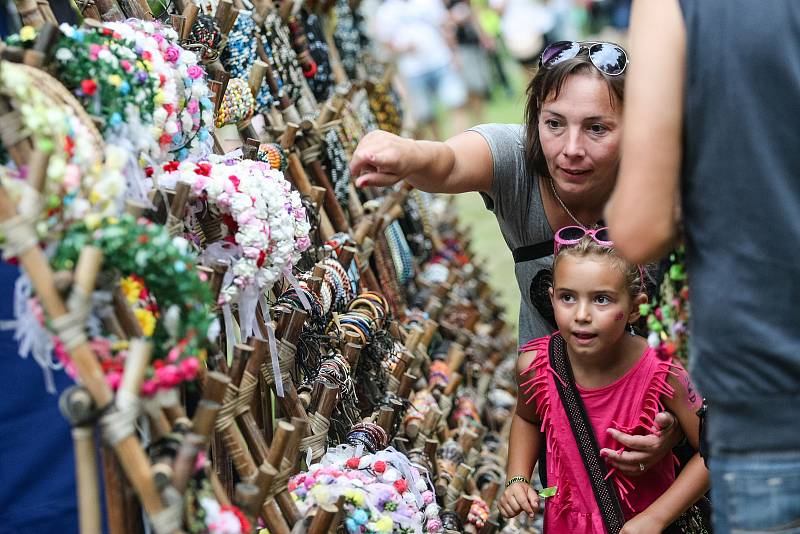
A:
<point x="629" y="404"/>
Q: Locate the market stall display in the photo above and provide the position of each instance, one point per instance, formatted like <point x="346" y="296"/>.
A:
<point x="260" y="345"/>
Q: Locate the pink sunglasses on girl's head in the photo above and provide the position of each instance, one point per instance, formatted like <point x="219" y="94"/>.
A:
<point x="572" y="235"/>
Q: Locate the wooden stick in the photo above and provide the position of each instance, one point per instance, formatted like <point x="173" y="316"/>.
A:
<point x="76" y="405"/>
<point x="269" y="510"/>
<point x="283" y="436"/>
<point x="406" y="385"/>
<point x="386" y="419"/>
<point x="232" y="438"/>
<point x="247" y="499"/>
<point x="489" y="492"/>
<point x="191" y="11"/>
<point x="323" y="519"/>
<point x="86" y="478"/>
<point x="123" y="514"/>
<point x="256" y="77"/>
<point x="244" y="416"/>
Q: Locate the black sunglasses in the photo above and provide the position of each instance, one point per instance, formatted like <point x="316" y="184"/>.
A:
<point x="609" y="58"/>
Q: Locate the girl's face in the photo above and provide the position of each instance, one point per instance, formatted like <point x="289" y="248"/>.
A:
<point x="591" y="302"/>
<point x="580" y="133"/>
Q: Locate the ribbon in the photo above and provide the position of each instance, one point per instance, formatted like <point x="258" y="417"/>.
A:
<point x="230" y="332"/>
<point x="248" y="300"/>
<point x="33" y="338"/>
<point x="287" y="271"/>
<point x="273" y="348"/>
<point x="234" y="154"/>
<point x="404" y="466"/>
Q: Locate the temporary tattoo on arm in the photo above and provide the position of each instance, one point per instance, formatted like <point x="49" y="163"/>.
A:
<point x="693" y="397"/>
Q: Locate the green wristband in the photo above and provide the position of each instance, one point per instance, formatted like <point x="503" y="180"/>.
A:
<point x="513" y="480"/>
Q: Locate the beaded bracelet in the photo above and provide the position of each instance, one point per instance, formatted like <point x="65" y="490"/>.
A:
<point x="273" y="154"/>
<point x="237" y="104"/>
<point x="514" y="480"/>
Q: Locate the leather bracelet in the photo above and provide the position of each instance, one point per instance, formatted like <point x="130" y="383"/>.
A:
<point x="512" y="480"/>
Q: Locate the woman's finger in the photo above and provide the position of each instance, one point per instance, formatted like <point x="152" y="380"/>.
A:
<point x="637" y="443"/>
<point x="377" y="179"/>
<point x="628" y="462"/>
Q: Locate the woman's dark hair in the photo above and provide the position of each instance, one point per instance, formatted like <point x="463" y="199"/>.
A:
<point x="547" y="83"/>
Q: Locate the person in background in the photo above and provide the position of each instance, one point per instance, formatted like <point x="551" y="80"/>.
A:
<point x="556" y="170"/>
<point x="710" y="150"/>
<point x="473" y="48"/>
<point x="420" y="34"/>
<point x="489" y="21"/>
<point x="524" y="28"/>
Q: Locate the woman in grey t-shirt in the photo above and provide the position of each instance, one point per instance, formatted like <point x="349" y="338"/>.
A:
<point x="556" y="170"/>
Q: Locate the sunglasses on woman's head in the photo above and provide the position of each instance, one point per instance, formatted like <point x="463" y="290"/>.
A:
<point x="609" y="58"/>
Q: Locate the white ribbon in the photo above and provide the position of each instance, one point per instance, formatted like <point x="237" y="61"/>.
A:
<point x="273" y="348"/>
<point x="287" y="271"/>
<point x="230" y="332"/>
<point x="248" y="300"/>
<point x="33" y="338"/>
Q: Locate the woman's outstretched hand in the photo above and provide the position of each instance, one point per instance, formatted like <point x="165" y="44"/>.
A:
<point x="517" y="498"/>
<point x="643" y="452"/>
<point x="382" y="159"/>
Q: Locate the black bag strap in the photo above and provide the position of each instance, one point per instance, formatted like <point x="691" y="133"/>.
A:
<point x="604" y="491"/>
<point x="533" y="252"/>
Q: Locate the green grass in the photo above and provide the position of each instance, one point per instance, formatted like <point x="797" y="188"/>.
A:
<point x="487" y="241"/>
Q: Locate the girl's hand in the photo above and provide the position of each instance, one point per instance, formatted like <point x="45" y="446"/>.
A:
<point x="519" y="497"/>
<point x="643" y="524"/>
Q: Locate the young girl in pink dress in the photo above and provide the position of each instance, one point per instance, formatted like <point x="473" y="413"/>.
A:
<point x="622" y="383"/>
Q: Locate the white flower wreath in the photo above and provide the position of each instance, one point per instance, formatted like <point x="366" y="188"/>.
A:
<point x="266" y="225"/>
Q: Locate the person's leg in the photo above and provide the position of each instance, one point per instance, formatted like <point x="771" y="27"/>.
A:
<point x="756" y="492"/>
<point x="475" y="73"/>
<point x="453" y="94"/>
<point x="420" y="100"/>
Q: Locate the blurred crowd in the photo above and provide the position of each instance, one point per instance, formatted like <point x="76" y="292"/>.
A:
<point x="457" y="54"/>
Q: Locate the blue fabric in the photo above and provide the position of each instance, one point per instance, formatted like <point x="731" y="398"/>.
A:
<point x="741" y="215"/>
<point x="758" y="492"/>
<point x="37" y="470"/>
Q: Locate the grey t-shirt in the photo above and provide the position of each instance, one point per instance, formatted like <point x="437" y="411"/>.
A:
<point x="516" y="201"/>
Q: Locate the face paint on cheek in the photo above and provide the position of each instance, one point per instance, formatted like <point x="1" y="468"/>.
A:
<point x="620" y="316"/>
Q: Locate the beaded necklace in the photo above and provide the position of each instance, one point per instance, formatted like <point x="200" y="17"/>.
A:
<point x="337" y="165"/>
<point x="348" y="37"/>
<point x="241" y="52"/>
<point x="321" y="82"/>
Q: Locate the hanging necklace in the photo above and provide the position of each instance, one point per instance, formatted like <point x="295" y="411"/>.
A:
<point x="571" y="216"/>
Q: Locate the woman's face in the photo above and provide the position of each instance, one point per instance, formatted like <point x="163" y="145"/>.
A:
<point x="580" y="133"/>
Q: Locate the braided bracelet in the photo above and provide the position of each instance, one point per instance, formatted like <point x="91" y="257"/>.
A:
<point x="516" y="479"/>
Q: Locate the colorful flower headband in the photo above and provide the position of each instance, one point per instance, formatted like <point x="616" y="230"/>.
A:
<point x="84" y="179"/>
<point x="384" y="492"/>
<point x="165" y="285"/>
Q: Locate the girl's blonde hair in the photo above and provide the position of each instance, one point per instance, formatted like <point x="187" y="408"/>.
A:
<point x="587" y="246"/>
